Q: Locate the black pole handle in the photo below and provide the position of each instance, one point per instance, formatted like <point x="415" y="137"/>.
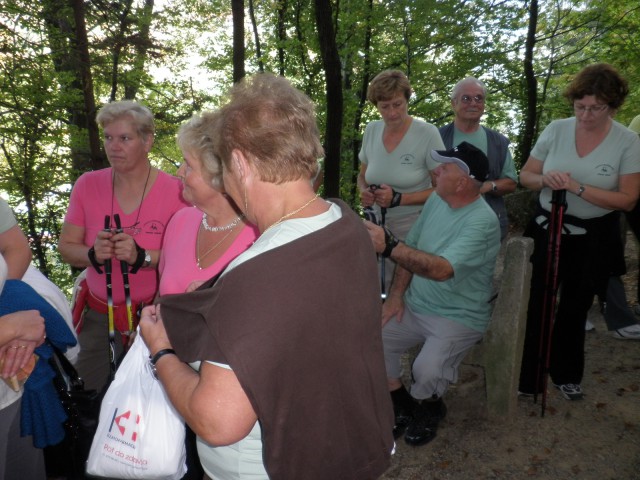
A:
<point x="107" y="262"/>
<point x="559" y="197"/>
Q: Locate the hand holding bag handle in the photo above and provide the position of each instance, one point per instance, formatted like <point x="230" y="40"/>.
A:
<point x="140" y="434"/>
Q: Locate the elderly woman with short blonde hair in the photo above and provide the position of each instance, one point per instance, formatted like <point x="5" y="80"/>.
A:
<point x="289" y="334"/>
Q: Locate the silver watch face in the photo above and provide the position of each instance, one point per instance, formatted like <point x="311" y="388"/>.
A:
<point x="147" y="258"/>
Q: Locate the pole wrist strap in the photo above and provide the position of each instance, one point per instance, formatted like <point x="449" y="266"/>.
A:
<point x="94" y="261"/>
<point x="139" y="259"/>
<point x="396" y="199"/>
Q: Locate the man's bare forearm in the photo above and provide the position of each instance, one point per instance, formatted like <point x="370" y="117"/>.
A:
<point x="422" y="263"/>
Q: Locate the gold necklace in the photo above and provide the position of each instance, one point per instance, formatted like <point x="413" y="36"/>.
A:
<point x="200" y="257"/>
<point x="297" y="210"/>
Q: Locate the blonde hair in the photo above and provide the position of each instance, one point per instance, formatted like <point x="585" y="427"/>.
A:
<point x="387" y="85"/>
<point x="140" y="115"/>
<point x="274" y="125"/>
<point x="198" y="136"/>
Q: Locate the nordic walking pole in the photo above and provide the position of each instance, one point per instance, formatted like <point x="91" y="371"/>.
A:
<point x="383" y="214"/>
<point x="559" y="201"/>
<point x="556" y="219"/>
<point x="107" y="271"/>
<point x="124" y="266"/>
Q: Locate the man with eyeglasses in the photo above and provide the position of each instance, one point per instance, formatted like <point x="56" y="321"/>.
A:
<point x="468" y="101"/>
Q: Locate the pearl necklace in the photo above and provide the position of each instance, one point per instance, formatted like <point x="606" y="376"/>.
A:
<point x="224" y="228"/>
<point x="290" y="214"/>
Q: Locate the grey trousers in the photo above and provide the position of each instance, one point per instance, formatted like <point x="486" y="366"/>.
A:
<point x="93" y="359"/>
<point x="446" y="343"/>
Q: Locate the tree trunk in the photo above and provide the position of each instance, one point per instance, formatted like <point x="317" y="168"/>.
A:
<point x="256" y="37"/>
<point x="531" y="87"/>
<point x="86" y="81"/>
<point x="362" y="99"/>
<point x="281" y="28"/>
<point x="69" y="51"/>
<point x="141" y="46"/>
<point x="237" y="9"/>
<point x="331" y="64"/>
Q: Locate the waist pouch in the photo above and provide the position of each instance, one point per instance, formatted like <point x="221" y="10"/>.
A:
<point x="85" y="299"/>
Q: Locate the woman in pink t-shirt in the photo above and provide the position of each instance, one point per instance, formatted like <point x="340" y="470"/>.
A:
<point x="202" y="240"/>
<point x="144" y="199"/>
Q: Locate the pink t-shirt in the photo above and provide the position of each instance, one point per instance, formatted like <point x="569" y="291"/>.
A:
<point x="91" y="201"/>
<point x="178" y="264"/>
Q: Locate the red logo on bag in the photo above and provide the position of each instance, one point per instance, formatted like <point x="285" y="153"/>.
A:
<point x="125" y="422"/>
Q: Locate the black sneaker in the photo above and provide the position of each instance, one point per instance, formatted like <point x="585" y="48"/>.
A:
<point x="570" y="391"/>
<point x="425" y="422"/>
<point x="404" y="406"/>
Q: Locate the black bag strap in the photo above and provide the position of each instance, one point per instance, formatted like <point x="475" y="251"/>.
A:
<point x="65" y="371"/>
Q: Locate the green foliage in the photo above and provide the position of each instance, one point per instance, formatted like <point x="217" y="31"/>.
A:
<point x="177" y="59"/>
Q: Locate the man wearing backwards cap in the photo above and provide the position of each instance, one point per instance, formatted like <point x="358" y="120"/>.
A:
<point x="441" y="289"/>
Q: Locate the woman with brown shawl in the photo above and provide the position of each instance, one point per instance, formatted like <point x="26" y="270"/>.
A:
<point x="289" y="334"/>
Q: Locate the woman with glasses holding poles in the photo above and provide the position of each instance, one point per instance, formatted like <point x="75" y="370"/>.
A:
<point x="597" y="161"/>
<point x="394" y="177"/>
<point x="144" y="198"/>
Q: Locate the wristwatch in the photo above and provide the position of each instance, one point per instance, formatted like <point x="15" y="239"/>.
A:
<point x="390" y="242"/>
<point x="153" y="360"/>
<point x="494" y="187"/>
<point x="580" y="190"/>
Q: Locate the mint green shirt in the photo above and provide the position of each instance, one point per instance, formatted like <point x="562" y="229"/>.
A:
<point x="469" y="239"/>
<point x="406" y="168"/>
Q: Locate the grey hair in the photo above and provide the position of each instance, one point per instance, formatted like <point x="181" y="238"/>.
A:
<point x="464" y="81"/>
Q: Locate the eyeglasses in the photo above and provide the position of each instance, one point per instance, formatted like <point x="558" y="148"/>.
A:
<point x="133" y="230"/>
<point x="593" y="108"/>
<point x="469" y="99"/>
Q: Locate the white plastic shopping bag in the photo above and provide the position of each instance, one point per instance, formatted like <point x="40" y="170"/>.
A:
<point x="140" y="434"/>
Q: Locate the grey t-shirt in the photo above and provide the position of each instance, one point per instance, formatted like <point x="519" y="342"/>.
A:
<point x="7" y="219"/>
<point x="618" y="154"/>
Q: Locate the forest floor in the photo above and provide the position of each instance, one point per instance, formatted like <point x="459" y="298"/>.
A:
<point x="595" y="438"/>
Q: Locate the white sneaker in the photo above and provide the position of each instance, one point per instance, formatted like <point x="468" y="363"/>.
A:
<point x="570" y="391"/>
<point x="589" y="327"/>
<point x="632" y="332"/>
